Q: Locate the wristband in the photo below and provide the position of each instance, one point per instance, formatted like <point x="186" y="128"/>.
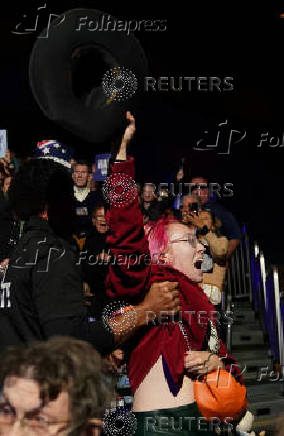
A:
<point x="127" y="308"/>
<point x="122" y="310"/>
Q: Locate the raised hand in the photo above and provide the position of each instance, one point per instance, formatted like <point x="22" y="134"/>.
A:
<point x="127" y="136"/>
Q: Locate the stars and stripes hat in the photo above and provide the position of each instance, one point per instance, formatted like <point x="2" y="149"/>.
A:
<point x="51" y="149"/>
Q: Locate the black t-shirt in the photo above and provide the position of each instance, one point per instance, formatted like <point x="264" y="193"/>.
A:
<point x="41" y="295"/>
<point x="6" y="225"/>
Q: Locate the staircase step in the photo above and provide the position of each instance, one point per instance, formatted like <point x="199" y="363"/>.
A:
<point x="248" y="347"/>
<point x="271" y="390"/>
<point x="271" y="424"/>
<point x="269" y="407"/>
<point x="251" y="349"/>
<point x="248" y="338"/>
<point x="255" y="375"/>
<point x="245" y="322"/>
<point x="251" y="378"/>
<point x="265" y="400"/>
<point x="241" y="307"/>
<point x="247" y="327"/>
<point x="244" y="355"/>
<point x="245" y="316"/>
<point x="256" y="364"/>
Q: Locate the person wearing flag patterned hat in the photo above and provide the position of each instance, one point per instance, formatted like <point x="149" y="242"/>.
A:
<point x="52" y="149"/>
<point x="41" y="290"/>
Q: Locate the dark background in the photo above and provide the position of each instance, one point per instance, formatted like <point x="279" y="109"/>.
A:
<point x="203" y="40"/>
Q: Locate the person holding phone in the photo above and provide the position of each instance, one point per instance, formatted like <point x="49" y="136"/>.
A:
<point x="217" y="246"/>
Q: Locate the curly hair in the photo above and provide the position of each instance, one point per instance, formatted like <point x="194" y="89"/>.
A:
<point x="63" y="364"/>
<point x="41" y="184"/>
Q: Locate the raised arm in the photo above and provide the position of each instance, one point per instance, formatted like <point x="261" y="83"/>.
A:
<point x="130" y="268"/>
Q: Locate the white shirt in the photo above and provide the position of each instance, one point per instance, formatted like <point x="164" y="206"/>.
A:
<point x="81" y="193"/>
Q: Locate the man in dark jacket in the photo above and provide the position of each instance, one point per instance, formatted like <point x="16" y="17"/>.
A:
<point x="6" y="223"/>
<point x="9" y="228"/>
<point x="41" y="292"/>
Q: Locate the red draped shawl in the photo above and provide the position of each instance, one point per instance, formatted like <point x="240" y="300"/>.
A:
<point x="129" y="279"/>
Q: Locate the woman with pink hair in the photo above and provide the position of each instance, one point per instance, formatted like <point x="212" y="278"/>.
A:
<point x="167" y="354"/>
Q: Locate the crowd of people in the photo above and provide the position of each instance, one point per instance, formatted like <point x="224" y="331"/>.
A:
<point x="94" y="273"/>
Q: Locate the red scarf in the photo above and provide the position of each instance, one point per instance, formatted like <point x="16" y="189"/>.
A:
<point x="127" y="237"/>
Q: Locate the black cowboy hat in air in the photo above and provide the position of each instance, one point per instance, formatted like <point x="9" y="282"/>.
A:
<point x="86" y="79"/>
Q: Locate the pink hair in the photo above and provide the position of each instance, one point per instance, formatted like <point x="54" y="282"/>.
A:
<point x="157" y="235"/>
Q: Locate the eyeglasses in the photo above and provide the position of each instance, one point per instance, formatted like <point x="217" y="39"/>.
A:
<point x="191" y="239"/>
<point x="34" y="423"/>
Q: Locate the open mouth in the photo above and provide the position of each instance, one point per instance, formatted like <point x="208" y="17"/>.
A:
<point x="198" y="263"/>
<point x="103" y="227"/>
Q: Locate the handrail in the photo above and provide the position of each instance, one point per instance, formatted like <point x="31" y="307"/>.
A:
<point x="250" y="276"/>
<point x="239" y="273"/>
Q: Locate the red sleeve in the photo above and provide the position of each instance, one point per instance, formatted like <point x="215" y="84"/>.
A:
<point x="130" y="268"/>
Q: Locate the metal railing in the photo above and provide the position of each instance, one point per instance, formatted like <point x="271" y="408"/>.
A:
<point x="251" y="277"/>
<point x="269" y="303"/>
<point x="239" y="273"/>
<point x="238" y="282"/>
